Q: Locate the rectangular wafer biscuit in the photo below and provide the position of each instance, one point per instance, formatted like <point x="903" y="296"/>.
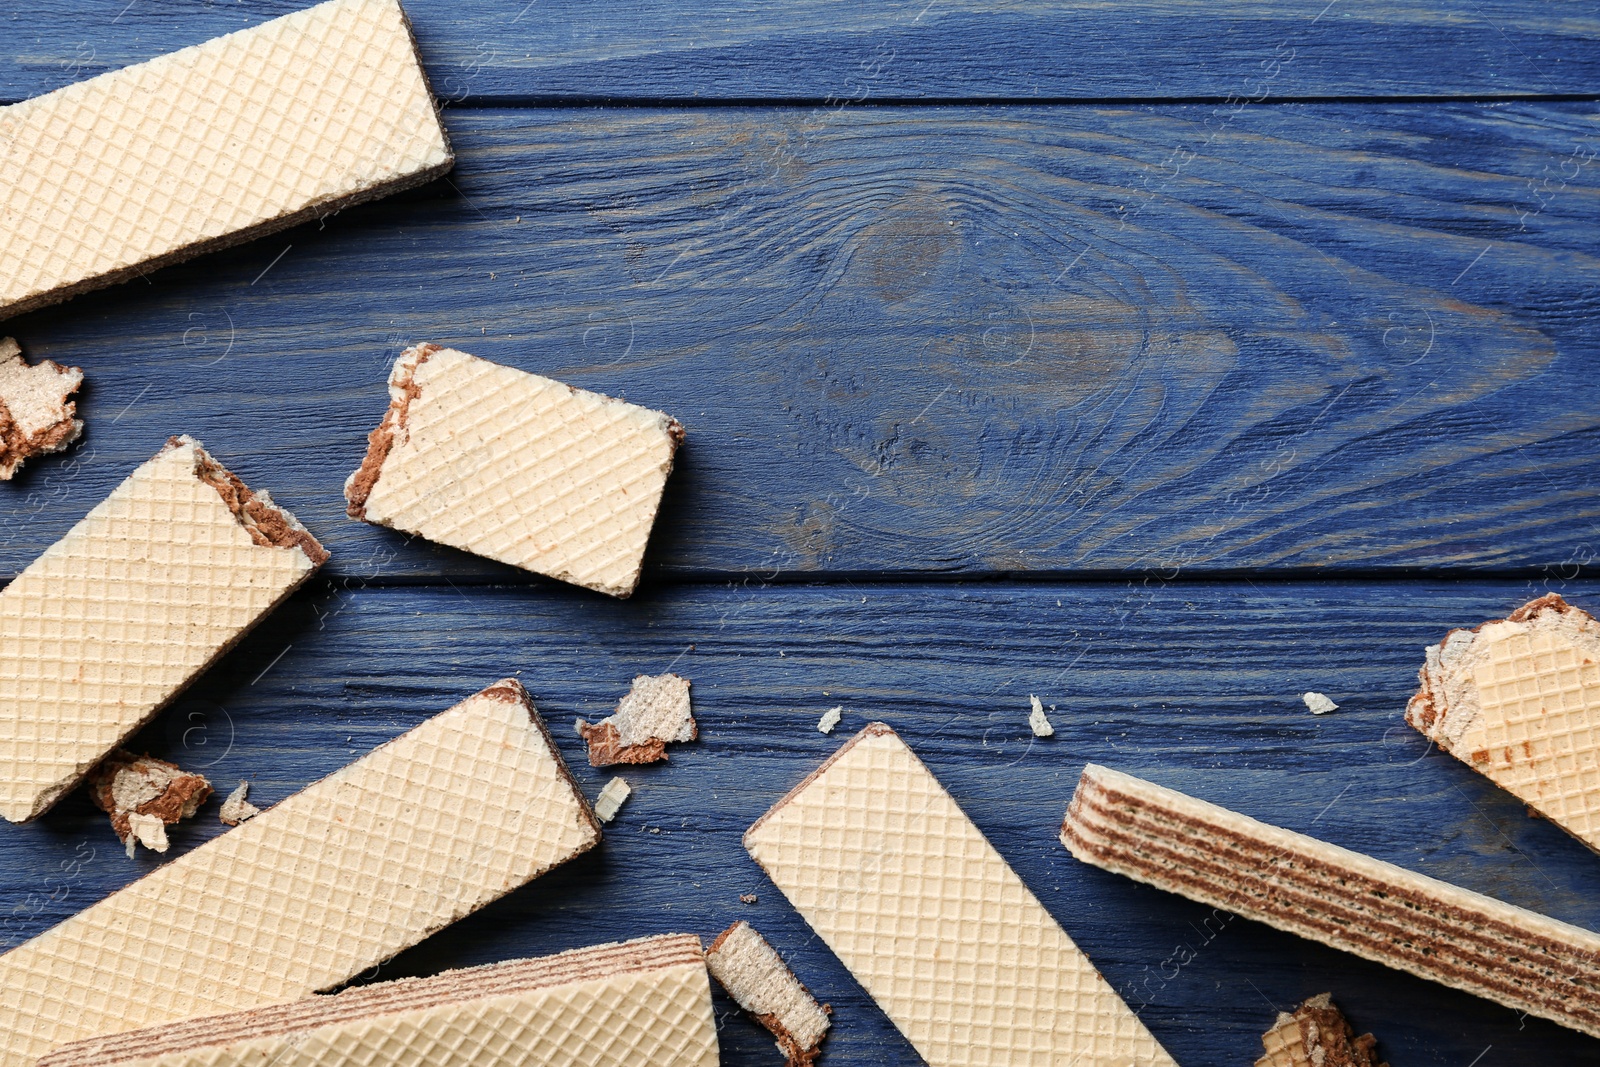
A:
<point x="935" y="925"/>
<point x="113" y="620"/>
<point x="1376" y="910"/>
<point x="1518" y="701"/>
<point x="416" y="834"/>
<point x="516" y="467"/>
<point x="640" y="1002"/>
<point x="211" y="146"/>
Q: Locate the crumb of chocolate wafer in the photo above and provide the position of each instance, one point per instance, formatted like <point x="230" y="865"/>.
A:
<point x="758" y="980"/>
<point x="609" y="802"/>
<point x="655" y="713"/>
<point x="1316" y="1034"/>
<point x="236" y="809"/>
<point x="35" y="415"/>
<point x="144" y="795"/>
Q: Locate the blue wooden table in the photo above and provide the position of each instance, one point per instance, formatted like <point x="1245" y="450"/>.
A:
<point x="1162" y="360"/>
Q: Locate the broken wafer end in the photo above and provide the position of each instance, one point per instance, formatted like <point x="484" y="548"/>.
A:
<point x="36" y="416"/>
<point x="759" y="981"/>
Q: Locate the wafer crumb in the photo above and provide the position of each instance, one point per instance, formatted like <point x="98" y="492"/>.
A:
<point x="236" y="809"/>
<point x="756" y="977"/>
<point x="654" y="713"/>
<point x="830" y="719"/>
<point x="144" y="795"/>
<point x="747" y="898"/>
<point x="611" y="798"/>
<point x="35" y="415"/>
<point x="1038" y="721"/>
<point x="1319" y="704"/>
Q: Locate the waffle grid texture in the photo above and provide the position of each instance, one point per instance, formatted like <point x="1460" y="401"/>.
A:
<point x="611" y="1006"/>
<point x="1518" y="700"/>
<point x="114" y="619"/>
<point x="935" y="925"/>
<point x="1376" y="910"/>
<point x="211" y="145"/>
<point x="516" y="467"/>
<point x="339" y="877"/>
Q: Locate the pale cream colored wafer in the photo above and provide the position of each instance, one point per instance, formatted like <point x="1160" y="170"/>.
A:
<point x="515" y="467"/>
<point x="640" y="1002"/>
<point x="905" y="890"/>
<point x="1376" y="910"/>
<point x="428" y="828"/>
<point x="1518" y="700"/>
<point x="1317" y="1034"/>
<point x="758" y="980"/>
<point x="35" y="415"/>
<point x="210" y="146"/>
<point x="114" y="619"/>
<point x="655" y="713"/>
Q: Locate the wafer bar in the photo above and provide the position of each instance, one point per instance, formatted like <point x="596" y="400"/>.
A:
<point x="421" y="831"/>
<point x="758" y="980"/>
<point x="1399" y="918"/>
<point x="958" y="953"/>
<point x="516" y="467"/>
<point x="211" y="146"/>
<point x="640" y="1002"/>
<point x="113" y="620"/>
<point x="1518" y="701"/>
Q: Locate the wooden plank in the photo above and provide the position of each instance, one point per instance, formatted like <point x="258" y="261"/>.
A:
<point x="500" y="50"/>
<point x="1192" y="684"/>
<point x="954" y="340"/>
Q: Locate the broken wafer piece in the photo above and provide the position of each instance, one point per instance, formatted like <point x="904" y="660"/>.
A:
<point x="758" y="980"/>
<point x="1518" y="701"/>
<point x="236" y="809"/>
<point x="116" y="618"/>
<point x="516" y="467"/>
<point x="420" y="832"/>
<point x="609" y="802"/>
<point x="144" y="795"/>
<point x="639" y="1002"/>
<point x="654" y="713"/>
<point x="35" y="415"/>
<point x="1376" y="910"/>
<point x="904" y="889"/>
<point x="211" y="146"/>
<point x="1317" y="1034"/>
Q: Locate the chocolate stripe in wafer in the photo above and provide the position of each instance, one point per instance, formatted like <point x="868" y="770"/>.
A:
<point x="113" y="620"/>
<point x="965" y="961"/>
<point x="339" y="877"/>
<point x="210" y="146"/>
<point x="1341" y="898"/>
<point x="639" y="1002"/>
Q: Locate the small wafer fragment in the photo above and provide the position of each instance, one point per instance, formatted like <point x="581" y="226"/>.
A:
<point x="609" y="802"/>
<point x="35" y="415"/>
<point x="639" y="1002"/>
<point x="236" y="809"/>
<point x="144" y="795"/>
<point x="654" y="713"/>
<point x="1518" y="701"/>
<point x="830" y="719"/>
<point x="516" y="467"/>
<point x="905" y="890"/>
<point x="211" y="146"/>
<point x="116" y="618"/>
<point x="1318" y="703"/>
<point x="1317" y="1034"/>
<point x="1408" y="921"/>
<point x="1038" y="721"/>
<point x="418" y="833"/>
<point x="758" y="980"/>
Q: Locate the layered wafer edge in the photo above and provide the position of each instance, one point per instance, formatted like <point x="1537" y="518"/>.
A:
<point x="389" y="998"/>
<point x="1374" y="909"/>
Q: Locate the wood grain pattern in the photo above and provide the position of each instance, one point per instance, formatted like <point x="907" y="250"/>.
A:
<point x="943" y="340"/>
<point x="1193" y="684"/>
<point x="504" y="50"/>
